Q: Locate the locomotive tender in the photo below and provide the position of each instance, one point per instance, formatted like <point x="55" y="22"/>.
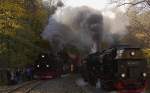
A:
<point x="118" y="68"/>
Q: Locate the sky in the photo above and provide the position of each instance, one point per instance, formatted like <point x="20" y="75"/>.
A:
<point x="97" y="4"/>
<point x="103" y="5"/>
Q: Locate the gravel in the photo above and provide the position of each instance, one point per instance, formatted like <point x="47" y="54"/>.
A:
<point x="61" y="85"/>
<point x="68" y="84"/>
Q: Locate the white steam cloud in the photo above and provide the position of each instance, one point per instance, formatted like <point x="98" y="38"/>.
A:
<point x="82" y="27"/>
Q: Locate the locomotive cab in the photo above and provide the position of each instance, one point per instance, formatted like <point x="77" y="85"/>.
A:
<point x="123" y="68"/>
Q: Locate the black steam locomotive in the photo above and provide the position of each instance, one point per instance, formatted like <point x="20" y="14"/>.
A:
<point x="118" y="68"/>
<point x="50" y="65"/>
<point x="46" y="67"/>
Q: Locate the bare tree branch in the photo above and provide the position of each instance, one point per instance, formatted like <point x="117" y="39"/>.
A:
<point x="133" y="4"/>
<point x="148" y="2"/>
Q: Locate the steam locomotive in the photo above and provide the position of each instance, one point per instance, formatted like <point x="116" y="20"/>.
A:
<point x="121" y="68"/>
<point x="46" y="67"/>
<point x="50" y="65"/>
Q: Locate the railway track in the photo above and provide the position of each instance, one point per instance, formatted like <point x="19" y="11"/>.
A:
<point x="25" y="88"/>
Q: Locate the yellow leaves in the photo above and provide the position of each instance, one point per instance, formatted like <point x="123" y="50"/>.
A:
<point x="140" y="35"/>
<point x="10" y="8"/>
<point x="140" y="27"/>
<point x="144" y="20"/>
<point x="2" y="23"/>
<point x="41" y="13"/>
<point x="147" y="52"/>
<point x="20" y="29"/>
<point x="11" y="15"/>
<point x="3" y="47"/>
<point x="40" y="16"/>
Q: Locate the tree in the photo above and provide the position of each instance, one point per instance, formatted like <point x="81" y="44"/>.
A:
<point x="138" y="4"/>
<point x="131" y="2"/>
<point x="138" y="13"/>
<point x="21" y="23"/>
<point x="140" y="26"/>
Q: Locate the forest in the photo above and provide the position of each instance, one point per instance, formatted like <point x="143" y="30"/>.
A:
<point x="21" y="23"/>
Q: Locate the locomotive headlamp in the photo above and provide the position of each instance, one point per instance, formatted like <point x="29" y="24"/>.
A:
<point x="38" y="66"/>
<point x="144" y="74"/>
<point x="132" y="53"/>
<point x="47" y="66"/>
<point x="43" y="56"/>
<point x="123" y="75"/>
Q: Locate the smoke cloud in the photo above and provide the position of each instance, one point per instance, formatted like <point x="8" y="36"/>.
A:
<point x="82" y="27"/>
<point x="115" y="25"/>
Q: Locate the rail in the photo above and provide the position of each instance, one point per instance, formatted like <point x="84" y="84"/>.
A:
<point x="25" y="88"/>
